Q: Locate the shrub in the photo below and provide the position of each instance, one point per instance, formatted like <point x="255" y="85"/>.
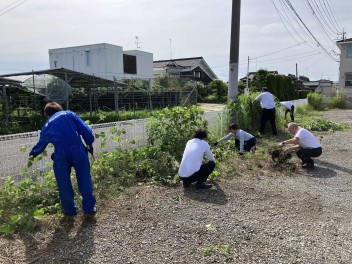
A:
<point x="325" y="125"/>
<point x="315" y="100"/>
<point x="247" y="114"/>
<point x="338" y="101"/>
<point x="302" y="94"/>
<point x="170" y="129"/>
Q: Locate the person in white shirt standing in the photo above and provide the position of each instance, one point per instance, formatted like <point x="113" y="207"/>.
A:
<point x="244" y="141"/>
<point x="267" y="103"/>
<point x="289" y="108"/>
<point x="193" y="168"/>
<point x="304" y="143"/>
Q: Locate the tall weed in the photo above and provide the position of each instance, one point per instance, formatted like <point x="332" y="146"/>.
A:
<point x="170" y="129"/>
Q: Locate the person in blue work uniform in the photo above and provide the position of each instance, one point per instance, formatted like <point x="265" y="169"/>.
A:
<point x="64" y="130"/>
<point x="244" y="141"/>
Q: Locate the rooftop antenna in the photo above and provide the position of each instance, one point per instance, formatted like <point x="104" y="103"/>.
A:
<point x="137" y="42"/>
<point x="170" y="48"/>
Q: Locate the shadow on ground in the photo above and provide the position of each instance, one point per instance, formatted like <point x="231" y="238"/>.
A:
<point x="214" y="195"/>
<point x="66" y="245"/>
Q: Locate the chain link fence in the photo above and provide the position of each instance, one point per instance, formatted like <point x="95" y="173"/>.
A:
<point x="14" y="149"/>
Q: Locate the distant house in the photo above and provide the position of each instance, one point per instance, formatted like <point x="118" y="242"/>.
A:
<point x="187" y="68"/>
<point x="251" y="76"/>
<point x="345" y="76"/>
<point x="104" y="60"/>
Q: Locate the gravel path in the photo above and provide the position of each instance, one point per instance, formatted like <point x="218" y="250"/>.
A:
<point x="300" y="218"/>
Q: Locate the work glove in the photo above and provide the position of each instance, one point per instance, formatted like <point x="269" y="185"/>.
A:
<point x="90" y="149"/>
<point x="31" y="154"/>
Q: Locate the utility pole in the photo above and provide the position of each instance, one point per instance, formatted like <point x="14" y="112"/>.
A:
<point x="247" y="82"/>
<point x="170" y="48"/>
<point x="234" y="50"/>
<point x="297" y="81"/>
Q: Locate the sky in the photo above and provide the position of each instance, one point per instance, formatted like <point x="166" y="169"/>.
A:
<point x="269" y="35"/>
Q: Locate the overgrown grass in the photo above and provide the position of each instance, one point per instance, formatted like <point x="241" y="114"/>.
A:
<point x="24" y="204"/>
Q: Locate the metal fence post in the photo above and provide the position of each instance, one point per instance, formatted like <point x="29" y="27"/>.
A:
<point x="42" y="164"/>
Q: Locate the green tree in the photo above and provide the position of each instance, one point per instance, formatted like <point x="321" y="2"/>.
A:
<point x="259" y="80"/>
<point x="219" y="89"/>
<point x="137" y="84"/>
<point x="161" y="83"/>
<point x="241" y="86"/>
<point x="280" y="87"/>
<point x="303" y="78"/>
<point x="271" y="83"/>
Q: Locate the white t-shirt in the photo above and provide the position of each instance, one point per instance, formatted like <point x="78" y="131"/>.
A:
<point x="193" y="156"/>
<point x="241" y="135"/>
<point x="287" y="104"/>
<point x="307" y="139"/>
<point x="266" y="100"/>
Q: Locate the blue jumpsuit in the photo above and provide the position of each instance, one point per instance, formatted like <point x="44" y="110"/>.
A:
<point x="64" y="130"/>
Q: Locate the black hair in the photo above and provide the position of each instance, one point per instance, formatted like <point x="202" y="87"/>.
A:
<point x="233" y="126"/>
<point x="52" y="108"/>
<point x="265" y="89"/>
<point x="200" y="133"/>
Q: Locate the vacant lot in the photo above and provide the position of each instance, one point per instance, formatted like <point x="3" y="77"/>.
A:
<point x="255" y="216"/>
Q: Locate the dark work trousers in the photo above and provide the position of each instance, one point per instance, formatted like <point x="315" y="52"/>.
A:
<point x="268" y="114"/>
<point x="306" y="154"/>
<point x="201" y="175"/>
<point x="248" y="145"/>
<point x="291" y="111"/>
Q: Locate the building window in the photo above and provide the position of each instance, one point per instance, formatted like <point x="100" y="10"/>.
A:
<point x="55" y="64"/>
<point x="197" y="74"/>
<point x="348" y="79"/>
<point x="88" y="58"/>
<point x="349" y="51"/>
<point x="129" y="64"/>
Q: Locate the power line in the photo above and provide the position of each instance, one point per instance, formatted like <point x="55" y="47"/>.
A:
<point x="303" y="25"/>
<point x="274" y="52"/>
<point x="3" y="13"/>
<point x="332" y="15"/>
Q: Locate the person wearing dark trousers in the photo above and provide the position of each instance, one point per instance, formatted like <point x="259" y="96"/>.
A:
<point x="289" y="108"/>
<point x="244" y="141"/>
<point x="267" y="104"/>
<point x="304" y="143"/>
<point x="192" y="167"/>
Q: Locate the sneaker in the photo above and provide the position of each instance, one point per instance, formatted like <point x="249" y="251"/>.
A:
<point x="202" y="185"/>
<point x="308" y="165"/>
<point x="93" y="212"/>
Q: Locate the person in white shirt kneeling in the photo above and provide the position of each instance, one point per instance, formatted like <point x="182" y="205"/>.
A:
<point x="244" y="141"/>
<point x="304" y="143"/>
<point x="193" y="168"/>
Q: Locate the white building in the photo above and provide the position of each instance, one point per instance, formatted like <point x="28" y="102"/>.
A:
<point x="345" y="77"/>
<point x="104" y="60"/>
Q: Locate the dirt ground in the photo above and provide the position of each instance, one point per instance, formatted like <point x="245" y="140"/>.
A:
<point x="255" y="216"/>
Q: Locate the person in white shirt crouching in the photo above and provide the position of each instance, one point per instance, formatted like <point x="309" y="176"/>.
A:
<point x="244" y="141"/>
<point x="304" y="143"/>
<point x="193" y="168"/>
<point x="289" y="108"/>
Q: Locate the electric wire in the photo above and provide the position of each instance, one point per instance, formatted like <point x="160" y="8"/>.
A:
<point x="3" y="13"/>
<point x="309" y="31"/>
<point x="333" y="17"/>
